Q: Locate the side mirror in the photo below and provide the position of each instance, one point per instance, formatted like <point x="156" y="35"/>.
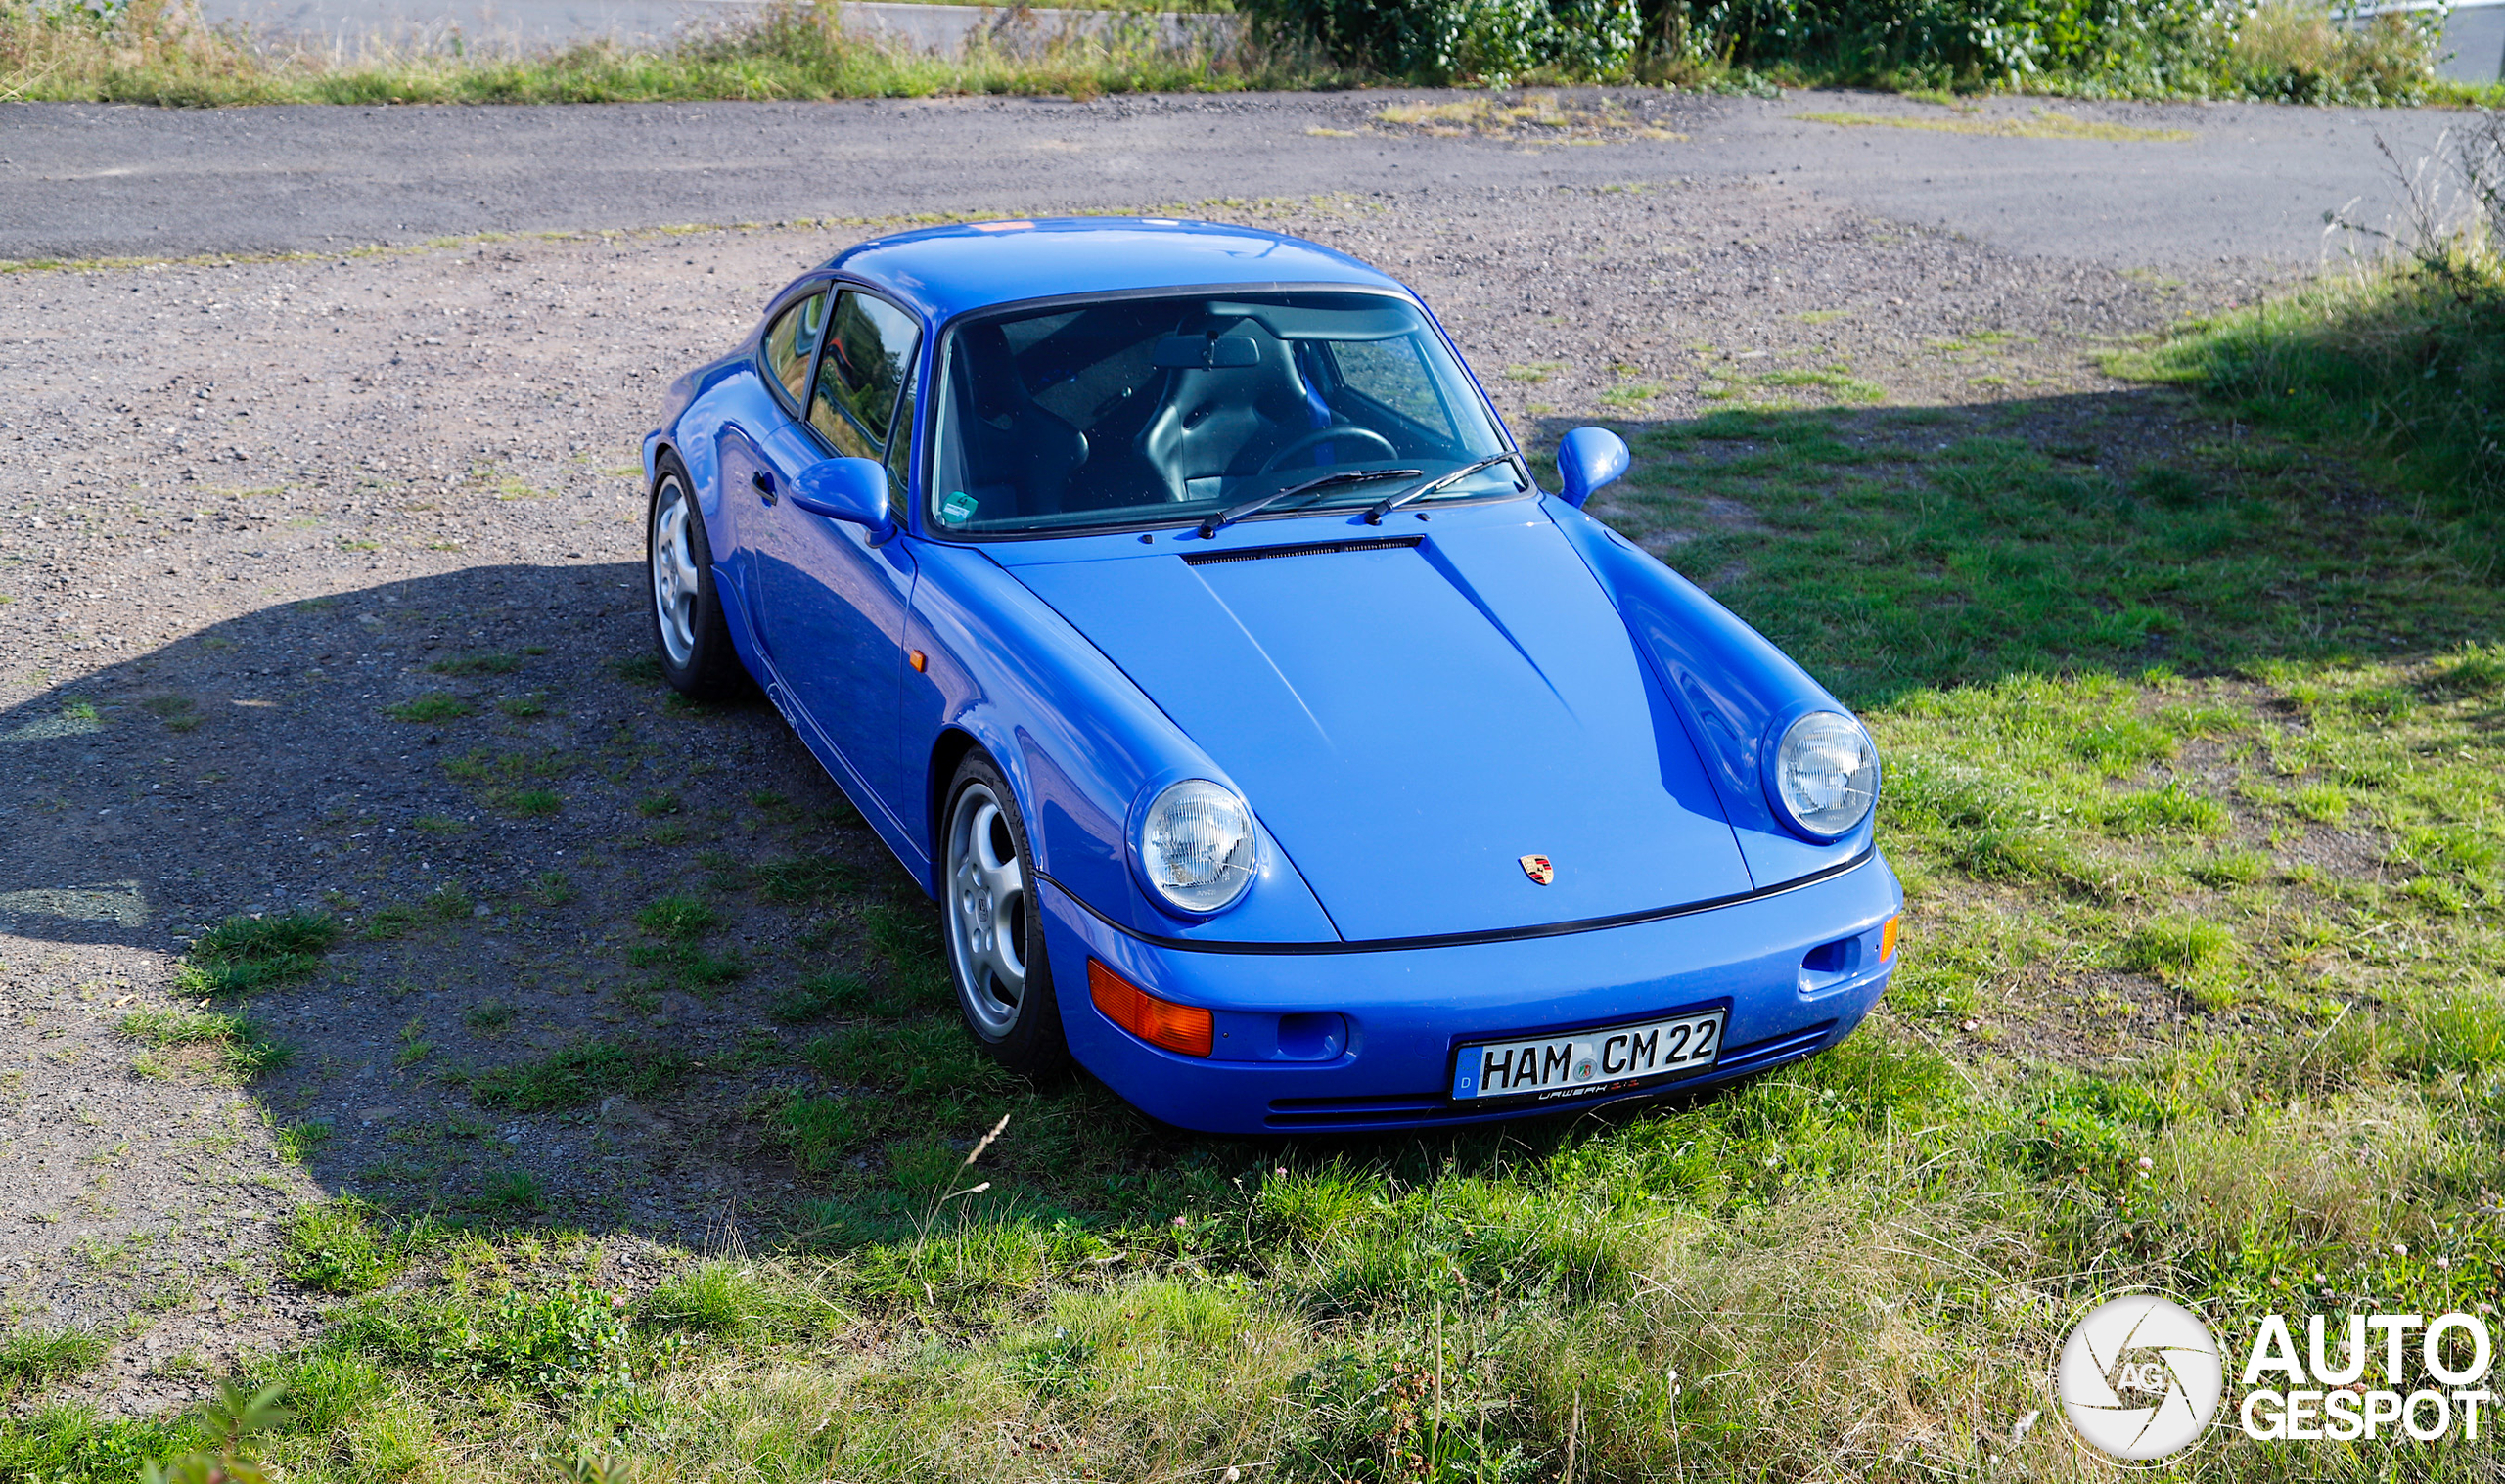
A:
<point x="1589" y="458"/>
<point x="851" y="490"/>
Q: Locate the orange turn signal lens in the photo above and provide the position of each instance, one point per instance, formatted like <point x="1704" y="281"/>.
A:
<point x="1176" y="1027"/>
<point x="1887" y="941"/>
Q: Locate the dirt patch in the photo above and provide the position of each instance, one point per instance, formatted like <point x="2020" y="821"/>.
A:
<point x="323" y="583"/>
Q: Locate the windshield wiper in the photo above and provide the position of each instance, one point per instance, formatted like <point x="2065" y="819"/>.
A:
<point x="1389" y="503"/>
<point x="1234" y="513"/>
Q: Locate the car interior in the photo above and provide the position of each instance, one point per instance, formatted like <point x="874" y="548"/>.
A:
<point x="1065" y="416"/>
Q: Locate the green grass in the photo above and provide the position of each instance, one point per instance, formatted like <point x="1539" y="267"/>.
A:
<point x="338" y="1247"/>
<point x="179" y="713"/>
<point x="245" y="954"/>
<point x="434" y="706"/>
<point x="238" y="1050"/>
<point x="578" y="1076"/>
<point x="807" y="880"/>
<point x="533" y="803"/>
<point x="34" y="1357"/>
<point x="678" y="918"/>
<point x="820" y="996"/>
<point x="2401" y="365"/>
<point x="1887" y="563"/>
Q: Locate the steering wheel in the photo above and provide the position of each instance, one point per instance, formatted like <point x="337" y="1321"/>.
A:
<point x="1322" y="435"/>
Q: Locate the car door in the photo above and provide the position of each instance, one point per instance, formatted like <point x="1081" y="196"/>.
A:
<point x="771" y="420"/>
<point x="831" y="599"/>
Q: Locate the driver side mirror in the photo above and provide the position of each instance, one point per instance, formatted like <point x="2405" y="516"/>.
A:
<point x="1587" y="459"/>
<point x="851" y="490"/>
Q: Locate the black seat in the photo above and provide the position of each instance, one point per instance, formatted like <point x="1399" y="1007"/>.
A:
<point x="1225" y="420"/>
<point x="1021" y="455"/>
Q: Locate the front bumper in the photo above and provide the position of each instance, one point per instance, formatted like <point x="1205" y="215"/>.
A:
<point x="1798" y="970"/>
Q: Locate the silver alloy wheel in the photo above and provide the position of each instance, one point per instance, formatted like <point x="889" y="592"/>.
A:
<point x="987" y="911"/>
<point x="674" y="575"/>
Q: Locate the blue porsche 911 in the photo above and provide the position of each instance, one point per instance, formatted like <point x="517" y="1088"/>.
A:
<point x="1175" y="605"/>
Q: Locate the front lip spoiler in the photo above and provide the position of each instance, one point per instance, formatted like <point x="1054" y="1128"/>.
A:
<point x="1465" y="940"/>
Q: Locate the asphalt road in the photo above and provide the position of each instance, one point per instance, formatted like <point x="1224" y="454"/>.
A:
<point x="83" y="181"/>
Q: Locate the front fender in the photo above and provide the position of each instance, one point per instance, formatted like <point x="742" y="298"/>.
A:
<point x="1078" y="742"/>
<point x="1730" y="684"/>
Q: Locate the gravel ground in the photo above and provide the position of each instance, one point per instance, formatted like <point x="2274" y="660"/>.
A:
<point x="335" y="486"/>
<point x="2116" y="183"/>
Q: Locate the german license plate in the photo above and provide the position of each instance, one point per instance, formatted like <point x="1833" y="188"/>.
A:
<point x="1612" y="1058"/>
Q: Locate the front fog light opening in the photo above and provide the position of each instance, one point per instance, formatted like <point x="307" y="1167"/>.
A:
<point x="1195" y="847"/>
<point x="1824" y="776"/>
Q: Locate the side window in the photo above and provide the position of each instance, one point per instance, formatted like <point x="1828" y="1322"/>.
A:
<point x="790" y="340"/>
<point x="869" y="357"/>
<point x="1390" y="373"/>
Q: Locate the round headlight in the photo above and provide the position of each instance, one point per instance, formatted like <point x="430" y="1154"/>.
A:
<point x="1196" y="847"/>
<point x="1826" y="774"/>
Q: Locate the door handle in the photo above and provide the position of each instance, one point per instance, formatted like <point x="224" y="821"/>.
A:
<point x="764" y="483"/>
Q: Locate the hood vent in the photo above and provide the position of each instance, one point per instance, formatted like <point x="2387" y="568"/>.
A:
<point x="1311" y="549"/>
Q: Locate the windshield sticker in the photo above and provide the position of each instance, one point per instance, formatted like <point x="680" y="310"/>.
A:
<point x="957" y="509"/>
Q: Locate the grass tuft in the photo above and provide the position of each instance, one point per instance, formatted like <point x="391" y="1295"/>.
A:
<point x="245" y="955"/>
<point x="2176" y="945"/>
<point x="580" y="1075"/>
<point x="338" y="1247"/>
<point x="678" y="918"/>
<point x="434" y="706"/>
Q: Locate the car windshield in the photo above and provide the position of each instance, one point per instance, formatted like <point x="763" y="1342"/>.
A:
<point x="1168" y="409"/>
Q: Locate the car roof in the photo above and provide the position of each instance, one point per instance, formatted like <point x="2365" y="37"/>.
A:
<point x="945" y="271"/>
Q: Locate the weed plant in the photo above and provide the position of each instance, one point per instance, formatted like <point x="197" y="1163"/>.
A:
<point x="155" y="51"/>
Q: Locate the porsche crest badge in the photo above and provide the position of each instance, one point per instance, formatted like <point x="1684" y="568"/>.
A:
<point x="1536" y="867"/>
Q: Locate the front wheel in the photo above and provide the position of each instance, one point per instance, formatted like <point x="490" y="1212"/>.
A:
<point x="690" y="636"/>
<point x="995" y="938"/>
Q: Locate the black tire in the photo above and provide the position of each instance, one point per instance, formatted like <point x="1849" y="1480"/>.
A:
<point x="691" y="638"/>
<point x="995" y="944"/>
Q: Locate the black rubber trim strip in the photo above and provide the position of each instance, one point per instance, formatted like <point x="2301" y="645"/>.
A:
<point x="1465" y="940"/>
<point x="1309" y="549"/>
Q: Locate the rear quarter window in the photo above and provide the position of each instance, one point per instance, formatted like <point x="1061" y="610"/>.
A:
<point x="790" y="340"/>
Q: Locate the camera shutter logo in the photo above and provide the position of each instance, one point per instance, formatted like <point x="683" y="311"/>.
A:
<point x="2139" y="1378"/>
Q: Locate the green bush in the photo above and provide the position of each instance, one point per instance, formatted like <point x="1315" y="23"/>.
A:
<point x="2286" y="50"/>
<point x="1489" y="40"/>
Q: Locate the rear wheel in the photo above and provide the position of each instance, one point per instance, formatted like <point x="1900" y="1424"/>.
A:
<point x="690" y="636"/>
<point x="994" y="937"/>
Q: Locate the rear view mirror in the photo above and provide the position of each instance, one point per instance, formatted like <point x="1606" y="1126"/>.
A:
<point x="1198" y="352"/>
<point x="1587" y="459"/>
<point x="851" y="490"/>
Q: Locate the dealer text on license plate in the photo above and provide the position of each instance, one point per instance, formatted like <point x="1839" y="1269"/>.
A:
<point x="1590" y="1060"/>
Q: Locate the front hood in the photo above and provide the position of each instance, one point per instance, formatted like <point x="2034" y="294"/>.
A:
<point x="1411" y="715"/>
